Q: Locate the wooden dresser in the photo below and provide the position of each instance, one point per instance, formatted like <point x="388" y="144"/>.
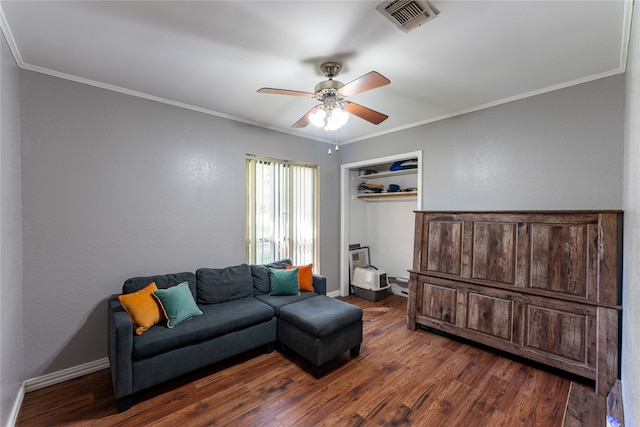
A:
<point x="544" y="285"/>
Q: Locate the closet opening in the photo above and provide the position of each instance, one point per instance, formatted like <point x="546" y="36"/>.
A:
<point x="378" y="197"/>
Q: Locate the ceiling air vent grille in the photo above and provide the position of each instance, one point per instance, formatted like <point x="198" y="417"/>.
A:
<point x="408" y="14"/>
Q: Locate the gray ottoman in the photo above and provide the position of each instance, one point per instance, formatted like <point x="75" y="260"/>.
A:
<point x="320" y="329"/>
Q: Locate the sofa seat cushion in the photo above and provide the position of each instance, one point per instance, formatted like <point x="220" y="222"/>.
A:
<point x="279" y="301"/>
<point x="321" y="316"/>
<point x="217" y="320"/>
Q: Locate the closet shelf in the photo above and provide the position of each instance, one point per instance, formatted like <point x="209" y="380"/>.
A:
<point x="388" y="174"/>
<point x="405" y="195"/>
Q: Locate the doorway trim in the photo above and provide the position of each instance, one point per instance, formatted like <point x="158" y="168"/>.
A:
<point x="345" y="195"/>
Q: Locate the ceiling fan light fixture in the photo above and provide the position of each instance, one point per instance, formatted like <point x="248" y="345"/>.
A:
<point x="317" y="118"/>
<point x="329" y="119"/>
<point x="336" y="119"/>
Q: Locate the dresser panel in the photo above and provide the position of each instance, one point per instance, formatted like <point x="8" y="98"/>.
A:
<point x="490" y="315"/>
<point x="560" y="258"/>
<point x="494" y="256"/>
<point x="444" y="243"/>
<point x="559" y="333"/>
<point x="439" y="302"/>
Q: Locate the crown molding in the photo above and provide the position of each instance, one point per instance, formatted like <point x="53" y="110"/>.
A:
<point x="8" y="35"/>
<point x="624" y="51"/>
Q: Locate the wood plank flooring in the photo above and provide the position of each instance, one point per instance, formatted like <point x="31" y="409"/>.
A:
<point x="400" y="378"/>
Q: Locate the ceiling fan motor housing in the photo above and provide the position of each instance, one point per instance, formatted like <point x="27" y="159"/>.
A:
<point x="328" y="85"/>
<point x="327" y="93"/>
<point x="331" y="69"/>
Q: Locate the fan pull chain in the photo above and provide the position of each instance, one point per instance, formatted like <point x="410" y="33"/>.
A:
<point x="337" y="148"/>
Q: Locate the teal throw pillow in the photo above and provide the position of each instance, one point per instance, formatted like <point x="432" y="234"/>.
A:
<point x="284" y="282"/>
<point x="177" y="304"/>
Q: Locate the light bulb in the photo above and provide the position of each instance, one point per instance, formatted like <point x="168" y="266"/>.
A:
<point x="318" y="117"/>
<point x="341" y="116"/>
<point x="331" y="124"/>
<point x="336" y="119"/>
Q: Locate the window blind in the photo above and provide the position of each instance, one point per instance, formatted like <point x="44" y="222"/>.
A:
<point x="282" y="211"/>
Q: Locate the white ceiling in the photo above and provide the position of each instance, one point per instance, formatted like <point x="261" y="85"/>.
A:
<point x="212" y="56"/>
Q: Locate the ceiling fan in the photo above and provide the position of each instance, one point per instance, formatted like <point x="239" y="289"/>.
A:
<point x="331" y="113"/>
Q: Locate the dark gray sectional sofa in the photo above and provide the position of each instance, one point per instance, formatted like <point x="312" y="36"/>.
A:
<point x="238" y="315"/>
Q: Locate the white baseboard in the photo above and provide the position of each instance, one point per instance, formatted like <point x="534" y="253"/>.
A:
<point x="334" y="294"/>
<point x="65" y="375"/>
<point x="15" y="410"/>
<point x="51" y="379"/>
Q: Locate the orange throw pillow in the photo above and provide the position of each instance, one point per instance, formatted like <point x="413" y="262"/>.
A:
<point x="305" y="277"/>
<point x="142" y="308"/>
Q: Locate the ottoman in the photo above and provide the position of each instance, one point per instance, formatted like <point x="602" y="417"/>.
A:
<point x="320" y="329"/>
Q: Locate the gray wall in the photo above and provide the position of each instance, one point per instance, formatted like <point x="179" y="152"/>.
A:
<point x="116" y="186"/>
<point x="631" y="271"/>
<point x="559" y="150"/>
<point x="11" y="347"/>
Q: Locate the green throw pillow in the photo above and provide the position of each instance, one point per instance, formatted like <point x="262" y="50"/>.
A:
<point x="284" y="282"/>
<point x="177" y="304"/>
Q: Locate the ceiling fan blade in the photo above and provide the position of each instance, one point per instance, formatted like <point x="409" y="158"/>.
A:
<point x="367" y="82"/>
<point x="285" y="92"/>
<point x="304" y="120"/>
<point x="365" y="113"/>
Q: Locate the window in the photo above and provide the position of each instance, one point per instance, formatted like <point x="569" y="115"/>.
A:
<point x="282" y="211"/>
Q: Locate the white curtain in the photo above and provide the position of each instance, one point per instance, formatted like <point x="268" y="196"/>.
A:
<point x="282" y="211"/>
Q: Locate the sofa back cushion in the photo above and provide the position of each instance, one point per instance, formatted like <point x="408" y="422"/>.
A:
<point x="217" y="285"/>
<point x="261" y="282"/>
<point x="261" y="277"/>
<point x="281" y="264"/>
<point x="162" y="282"/>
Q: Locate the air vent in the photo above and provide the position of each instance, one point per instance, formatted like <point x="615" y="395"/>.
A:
<point x="408" y="14"/>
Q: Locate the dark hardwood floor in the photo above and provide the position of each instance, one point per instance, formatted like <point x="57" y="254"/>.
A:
<point x="400" y="378"/>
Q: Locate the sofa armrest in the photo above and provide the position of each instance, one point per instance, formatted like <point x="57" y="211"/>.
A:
<point x="120" y="348"/>
<point x="319" y="284"/>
